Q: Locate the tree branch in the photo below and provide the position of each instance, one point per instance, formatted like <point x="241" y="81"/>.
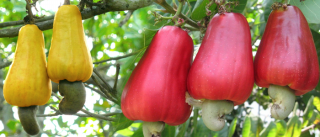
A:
<point x="111" y="5"/>
<point x="125" y="20"/>
<point x="98" y="116"/>
<point x="164" y="4"/>
<point x="6" y="64"/>
<point x="117" y="58"/>
<point x="97" y="91"/>
<point x="309" y="127"/>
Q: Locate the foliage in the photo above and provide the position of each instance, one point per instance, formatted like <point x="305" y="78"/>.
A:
<point x="107" y="40"/>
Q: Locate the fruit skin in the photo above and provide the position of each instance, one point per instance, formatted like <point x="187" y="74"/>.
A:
<point x="69" y="57"/>
<point x="27" y="82"/>
<point x="156" y="88"/>
<point x="223" y="67"/>
<point x="287" y="55"/>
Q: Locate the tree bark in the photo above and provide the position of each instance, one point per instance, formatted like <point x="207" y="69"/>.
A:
<point x="110" y="5"/>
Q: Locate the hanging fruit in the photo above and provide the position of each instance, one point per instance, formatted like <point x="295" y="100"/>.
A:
<point x="69" y="60"/>
<point x="155" y="91"/>
<point x="222" y="72"/>
<point x="27" y="84"/>
<point x="286" y="62"/>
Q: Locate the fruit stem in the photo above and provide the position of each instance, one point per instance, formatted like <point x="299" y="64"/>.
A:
<point x="213" y="112"/>
<point x="176" y="15"/>
<point x="193" y="102"/>
<point x="283" y="101"/>
<point x="66" y="2"/>
<point x="29" y="19"/>
<point x="152" y="129"/>
<point x="27" y="116"/>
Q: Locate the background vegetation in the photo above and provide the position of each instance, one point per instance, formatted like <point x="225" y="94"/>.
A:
<point x="117" y="35"/>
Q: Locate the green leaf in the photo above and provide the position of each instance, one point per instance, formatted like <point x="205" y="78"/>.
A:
<point x="294" y="127"/>
<point x="252" y="126"/>
<point x="316" y="39"/>
<point x="138" y="132"/>
<point x="125" y="132"/>
<point x="308" y="112"/>
<point x="309" y="8"/>
<point x="12" y="124"/>
<point x="232" y="127"/>
<point x="121" y="122"/>
<point x="316" y="103"/>
<point x="240" y="7"/>
<point x="281" y="128"/>
<point x="61" y="123"/>
<point x="199" y="10"/>
<point x="270" y="131"/>
<point x="246" y="127"/>
<point x="183" y="129"/>
<point x="308" y="134"/>
<point x="169" y="131"/>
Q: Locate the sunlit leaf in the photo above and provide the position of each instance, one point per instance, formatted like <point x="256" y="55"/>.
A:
<point x="232" y="127"/>
<point x="281" y="128"/>
<point x="269" y="131"/>
<point x="316" y="103"/>
<point x="294" y="127"/>
<point x="308" y="112"/>
<point x="252" y="126"/>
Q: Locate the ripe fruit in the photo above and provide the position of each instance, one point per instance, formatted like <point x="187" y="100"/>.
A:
<point x="222" y="72"/>
<point x="286" y="61"/>
<point x="155" y="91"/>
<point x="27" y="83"/>
<point x="69" y="59"/>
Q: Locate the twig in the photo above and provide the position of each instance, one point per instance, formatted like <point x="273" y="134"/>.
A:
<point x="6" y="64"/>
<point x="81" y="115"/>
<point x="48" y="115"/>
<point x="105" y="134"/>
<point x="103" y="89"/>
<point x="97" y="116"/>
<point x="117" y="58"/>
<point x="55" y="95"/>
<point x="88" y="114"/>
<point x="254" y="41"/>
<point x="104" y="81"/>
<point x="96" y="90"/>
<point x="164" y="4"/>
<point x="30" y="15"/>
<point x="125" y="20"/>
<point x="310" y="127"/>
<point x="117" y="76"/>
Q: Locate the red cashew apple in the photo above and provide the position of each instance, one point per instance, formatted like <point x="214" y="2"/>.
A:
<point x="286" y="61"/>
<point x="155" y="91"/>
<point x="222" y="72"/>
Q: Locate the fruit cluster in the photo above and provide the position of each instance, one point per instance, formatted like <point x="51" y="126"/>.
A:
<point x="166" y="83"/>
<point x="223" y="72"/>
<point x="28" y="83"/>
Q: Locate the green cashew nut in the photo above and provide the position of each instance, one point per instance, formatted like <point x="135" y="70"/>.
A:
<point x="74" y="96"/>
<point x="27" y="116"/>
